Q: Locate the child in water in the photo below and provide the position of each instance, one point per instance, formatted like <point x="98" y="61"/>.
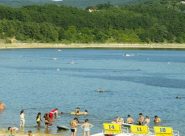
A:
<point x="47" y="121"/>
<point x="85" y="112"/>
<point x="38" y="119"/>
<point x="22" y="119"/>
<point x="77" y="113"/>
<point x="147" y="121"/>
<point x="86" y="128"/>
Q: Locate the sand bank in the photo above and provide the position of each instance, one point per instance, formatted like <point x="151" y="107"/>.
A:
<point x="105" y="45"/>
<point x="4" y="132"/>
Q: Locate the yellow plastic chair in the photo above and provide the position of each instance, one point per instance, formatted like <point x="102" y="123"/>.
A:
<point x="163" y="131"/>
<point x="112" y="128"/>
<point x="138" y="129"/>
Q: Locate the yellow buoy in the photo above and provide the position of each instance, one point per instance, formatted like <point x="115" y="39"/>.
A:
<point x="58" y="69"/>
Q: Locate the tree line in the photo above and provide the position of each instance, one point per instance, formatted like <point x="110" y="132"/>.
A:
<point x="152" y="22"/>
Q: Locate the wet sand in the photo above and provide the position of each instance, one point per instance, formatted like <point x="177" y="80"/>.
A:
<point x="4" y="132"/>
<point x="104" y="45"/>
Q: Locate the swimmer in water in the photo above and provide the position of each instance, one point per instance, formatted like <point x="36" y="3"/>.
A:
<point x="85" y="112"/>
<point x="121" y="121"/>
<point x="74" y="123"/>
<point x="53" y="112"/>
<point x="77" y="110"/>
<point x="130" y="120"/>
<point x="47" y="121"/>
<point x="86" y="128"/>
<point x="2" y="106"/>
<point x="157" y="120"/>
<point x="78" y="113"/>
<point x="117" y="121"/>
<point x="61" y="113"/>
<point x="141" y="119"/>
<point x="101" y="90"/>
<point x="72" y="62"/>
<point x="147" y="121"/>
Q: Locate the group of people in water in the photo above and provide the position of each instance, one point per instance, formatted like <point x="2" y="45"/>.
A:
<point x="48" y="122"/>
<point x="77" y="112"/>
<point x="75" y="123"/>
<point x="141" y="120"/>
<point x="86" y="126"/>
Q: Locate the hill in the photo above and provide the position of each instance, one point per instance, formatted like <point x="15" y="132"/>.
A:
<point x="74" y="3"/>
<point x="152" y="22"/>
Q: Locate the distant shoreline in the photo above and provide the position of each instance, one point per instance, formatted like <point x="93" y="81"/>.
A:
<point x="95" y="45"/>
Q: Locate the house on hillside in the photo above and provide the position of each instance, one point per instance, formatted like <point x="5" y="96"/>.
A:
<point x="92" y="10"/>
<point x="182" y="2"/>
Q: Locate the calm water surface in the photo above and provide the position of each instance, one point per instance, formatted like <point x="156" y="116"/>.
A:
<point x="147" y="83"/>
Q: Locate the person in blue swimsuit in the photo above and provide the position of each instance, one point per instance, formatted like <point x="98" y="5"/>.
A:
<point x="86" y="128"/>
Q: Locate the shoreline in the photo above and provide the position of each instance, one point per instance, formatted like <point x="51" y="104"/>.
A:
<point x="91" y="46"/>
<point x="4" y="132"/>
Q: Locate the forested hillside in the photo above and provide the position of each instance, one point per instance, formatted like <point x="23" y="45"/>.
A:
<point x="19" y="3"/>
<point x="141" y="23"/>
<point x="74" y="3"/>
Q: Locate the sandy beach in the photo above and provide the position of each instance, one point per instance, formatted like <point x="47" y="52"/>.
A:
<point x="104" y="45"/>
<point x="4" y="132"/>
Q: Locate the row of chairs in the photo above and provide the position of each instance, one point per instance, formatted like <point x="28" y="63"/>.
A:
<point x="139" y="130"/>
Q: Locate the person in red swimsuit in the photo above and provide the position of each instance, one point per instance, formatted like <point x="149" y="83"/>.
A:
<point x="53" y="112"/>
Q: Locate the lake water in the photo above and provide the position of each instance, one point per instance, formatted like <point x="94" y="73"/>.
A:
<point x="148" y="82"/>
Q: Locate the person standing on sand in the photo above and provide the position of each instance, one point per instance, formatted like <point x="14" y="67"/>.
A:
<point x="13" y="130"/>
<point x="22" y="119"/>
<point x="86" y="127"/>
<point x="74" y="124"/>
<point x="141" y="119"/>
<point x="2" y="106"/>
<point x="38" y="119"/>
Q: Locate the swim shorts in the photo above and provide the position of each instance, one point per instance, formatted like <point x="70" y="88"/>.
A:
<point x="50" y="114"/>
<point x="72" y="130"/>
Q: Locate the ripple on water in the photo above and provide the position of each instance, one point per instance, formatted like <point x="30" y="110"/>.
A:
<point x="37" y="86"/>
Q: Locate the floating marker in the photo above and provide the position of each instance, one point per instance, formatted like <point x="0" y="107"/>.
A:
<point x="72" y="62"/>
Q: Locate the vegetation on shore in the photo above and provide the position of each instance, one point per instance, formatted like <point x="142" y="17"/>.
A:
<point x="159" y="21"/>
<point x="74" y="3"/>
